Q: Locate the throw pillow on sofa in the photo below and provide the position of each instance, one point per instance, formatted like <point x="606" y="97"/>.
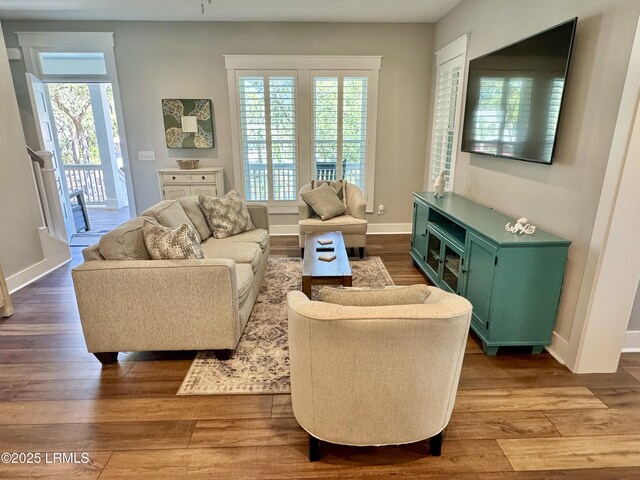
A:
<point x="173" y="215"/>
<point x="226" y="216"/>
<point x="166" y="243"/>
<point x="375" y="297"/>
<point x="192" y="208"/>
<point x="324" y="201"/>
<point x="125" y="242"/>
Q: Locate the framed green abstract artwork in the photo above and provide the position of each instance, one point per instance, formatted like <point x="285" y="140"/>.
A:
<point x="188" y="123"/>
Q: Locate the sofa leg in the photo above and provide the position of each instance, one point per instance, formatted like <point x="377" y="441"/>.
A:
<point x="435" y="445"/>
<point x="302" y="252"/>
<point x="223" y="354"/>
<point x="106" y="358"/>
<point x="361" y="250"/>
<point x="314" y="449"/>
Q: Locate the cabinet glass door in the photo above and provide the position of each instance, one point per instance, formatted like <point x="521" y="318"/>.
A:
<point x="418" y="241"/>
<point x="451" y="271"/>
<point x="434" y="245"/>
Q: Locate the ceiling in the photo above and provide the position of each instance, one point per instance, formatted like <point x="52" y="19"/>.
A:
<point x="229" y="10"/>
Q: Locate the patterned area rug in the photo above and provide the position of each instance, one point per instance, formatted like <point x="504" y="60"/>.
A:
<point x="260" y="364"/>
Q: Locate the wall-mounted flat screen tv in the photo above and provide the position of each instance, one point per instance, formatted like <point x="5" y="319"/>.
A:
<point x="515" y="94"/>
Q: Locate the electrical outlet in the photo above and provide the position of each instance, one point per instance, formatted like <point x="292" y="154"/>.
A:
<point x="381" y="209"/>
<point x="146" y="155"/>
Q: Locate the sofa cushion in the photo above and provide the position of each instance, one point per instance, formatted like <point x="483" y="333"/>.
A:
<point x="125" y="242"/>
<point x="171" y="214"/>
<point x="167" y="243"/>
<point x="244" y="281"/>
<point x="339" y="186"/>
<point x="192" y="208"/>
<point x="239" y="252"/>
<point x="375" y="297"/>
<point x="258" y="235"/>
<point x="347" y="224"/>
<point x="324" y="201"/>
<point x="226" y="216"/>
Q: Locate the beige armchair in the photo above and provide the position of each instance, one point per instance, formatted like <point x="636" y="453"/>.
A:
<point x="376" y="375"/>
<point x="353" y="224"/>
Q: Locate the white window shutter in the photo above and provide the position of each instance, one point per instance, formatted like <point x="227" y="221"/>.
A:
<point x="446" y="113"/>
<point x="268" y="136"/>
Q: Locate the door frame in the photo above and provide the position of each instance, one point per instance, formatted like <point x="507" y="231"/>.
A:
<point x="33" y="43"/>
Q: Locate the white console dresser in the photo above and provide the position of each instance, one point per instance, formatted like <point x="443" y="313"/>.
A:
<point x="176" y="183"/>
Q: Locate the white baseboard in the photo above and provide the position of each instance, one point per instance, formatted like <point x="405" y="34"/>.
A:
<point x="388" y="228"/>
<point x="373" y="229"/>
<point x="631" y="341"/>
<point x="559" y="348"/>
<point x="56" y="253"/>
<point x="30" y="274"/>
<point x="276" y="230"/>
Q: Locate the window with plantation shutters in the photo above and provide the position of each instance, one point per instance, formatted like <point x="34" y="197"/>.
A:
<point x="450" y="64"/>
<point x="268" y="135"/>
<point x="299" y="118"/>
<point x="340" y="128"/>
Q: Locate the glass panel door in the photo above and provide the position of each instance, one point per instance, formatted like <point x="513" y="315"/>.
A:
<point x="451" y="271"/>
<point x="434" y="244"/>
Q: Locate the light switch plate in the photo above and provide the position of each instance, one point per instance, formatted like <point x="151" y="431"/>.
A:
<point x="146" y="155"/>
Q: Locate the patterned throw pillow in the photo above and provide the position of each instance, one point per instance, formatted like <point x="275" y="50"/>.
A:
<point x="226" y="216"/>
<point x="166" y="243"/>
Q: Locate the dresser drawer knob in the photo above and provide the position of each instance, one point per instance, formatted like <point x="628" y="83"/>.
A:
<point x="173" y="178"/>
<point x="203" y="177"/>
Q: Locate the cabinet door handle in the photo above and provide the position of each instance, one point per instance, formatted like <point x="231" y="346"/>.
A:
<point x="464" y="270"/>
<point x="423" y="234"/>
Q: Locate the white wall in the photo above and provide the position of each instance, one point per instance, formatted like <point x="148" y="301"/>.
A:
<point x="561" y="198"/>
<point x="19" y="211"/>
<point x="158" y="60"/>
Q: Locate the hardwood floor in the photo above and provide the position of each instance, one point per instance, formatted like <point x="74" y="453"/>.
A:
<point x="517" y="416"/>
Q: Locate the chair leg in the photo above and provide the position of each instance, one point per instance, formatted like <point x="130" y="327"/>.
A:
<point x="314" y="449"/>
<point x="302" y="252"/>
<point x="435" y="445"/>
<point x="106" y="358"/>
<point x="361" y="249"/>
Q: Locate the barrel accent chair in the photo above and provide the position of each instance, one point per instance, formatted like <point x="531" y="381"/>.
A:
<point x="353" y="224"/>
<point x="376" y="375"/>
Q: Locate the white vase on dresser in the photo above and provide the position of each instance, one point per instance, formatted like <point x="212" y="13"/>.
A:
<point x="176" y="183"/>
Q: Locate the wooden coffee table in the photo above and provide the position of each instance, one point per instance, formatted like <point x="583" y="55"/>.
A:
<point x="319" y="272"/>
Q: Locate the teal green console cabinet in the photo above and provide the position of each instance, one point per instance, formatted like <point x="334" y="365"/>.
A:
<point x="513" y="281"/>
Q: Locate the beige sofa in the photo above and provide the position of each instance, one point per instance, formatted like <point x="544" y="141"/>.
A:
<point x="376" y="375"/>
<point x="133" y="303"/>
<point x="353" y="224"/>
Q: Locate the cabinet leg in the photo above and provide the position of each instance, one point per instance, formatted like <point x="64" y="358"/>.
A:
<point x="490" y="351"/>
<point x="537" y="349"/>
<point x="302" y="252"/>
<point x="361" y="251"/>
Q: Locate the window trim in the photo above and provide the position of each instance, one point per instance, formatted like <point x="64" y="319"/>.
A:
<point x="455" y="51"/>
<point x="303" y="65"/>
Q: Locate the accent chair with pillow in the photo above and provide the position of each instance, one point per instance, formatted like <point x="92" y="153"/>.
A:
<point x="377" y="367"/>
<point x="320" y="211"/>
<point x="163" y="281"/>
